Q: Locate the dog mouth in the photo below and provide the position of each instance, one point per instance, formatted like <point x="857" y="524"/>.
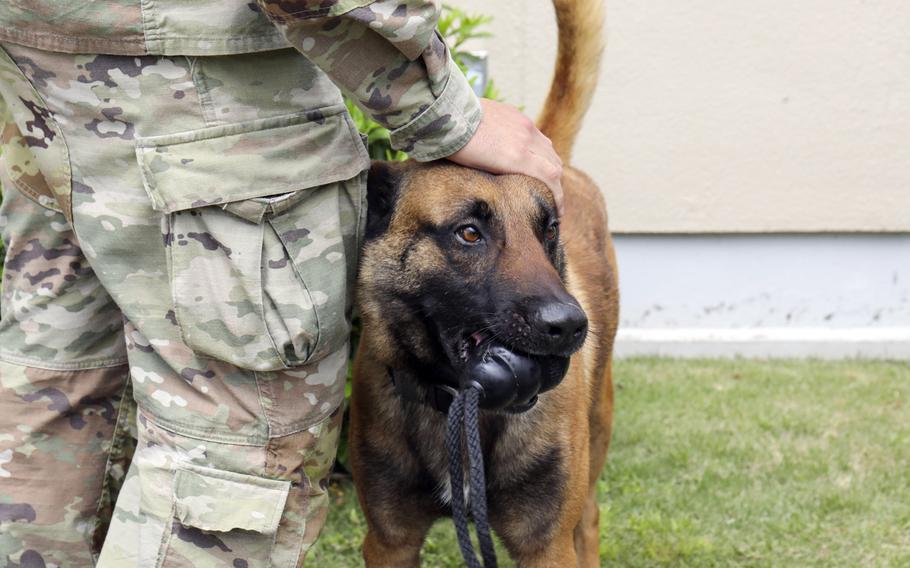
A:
<point x="470" y="343"/>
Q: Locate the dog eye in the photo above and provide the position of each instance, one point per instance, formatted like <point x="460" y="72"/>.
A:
<point x="469" y="234"/>
<point x="552" y="232"/>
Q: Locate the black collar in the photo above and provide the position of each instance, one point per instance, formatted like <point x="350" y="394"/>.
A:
<point x="435" y="395"/>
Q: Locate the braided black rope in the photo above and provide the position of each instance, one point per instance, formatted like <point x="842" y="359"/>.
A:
<point x="463" y="421"/>
<point x="456" y="480"/>
<point x="478" y="479"/>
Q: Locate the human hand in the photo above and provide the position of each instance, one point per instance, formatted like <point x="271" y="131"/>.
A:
<point x="508" y="142"/>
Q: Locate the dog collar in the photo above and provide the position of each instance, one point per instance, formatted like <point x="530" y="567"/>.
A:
<point x="436" y="396"/>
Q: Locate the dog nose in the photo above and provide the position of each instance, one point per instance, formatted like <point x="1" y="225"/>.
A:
<point x="563" y="324"/>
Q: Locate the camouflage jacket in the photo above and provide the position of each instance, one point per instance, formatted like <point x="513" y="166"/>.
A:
<point x="384" y="54"/>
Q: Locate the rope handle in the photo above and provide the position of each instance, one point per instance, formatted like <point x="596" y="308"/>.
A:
<point x="463" y="426"/>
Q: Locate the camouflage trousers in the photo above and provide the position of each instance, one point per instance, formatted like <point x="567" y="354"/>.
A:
<point x="182" y="236"/>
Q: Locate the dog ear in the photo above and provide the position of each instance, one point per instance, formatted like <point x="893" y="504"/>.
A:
<point x="382" y="195"/>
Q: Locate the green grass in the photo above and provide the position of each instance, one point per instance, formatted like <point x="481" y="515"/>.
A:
<point x="734" y="463"/>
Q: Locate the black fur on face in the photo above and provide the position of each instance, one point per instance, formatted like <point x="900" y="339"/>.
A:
<point x="456" y="260"/>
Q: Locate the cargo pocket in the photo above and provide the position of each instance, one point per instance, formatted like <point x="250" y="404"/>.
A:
<point x="261" y="224"/>
<point x="221" y="518"/>
<point x="34" y="157"/>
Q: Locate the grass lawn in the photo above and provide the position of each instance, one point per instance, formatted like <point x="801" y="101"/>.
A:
<point x="733" y="463"/>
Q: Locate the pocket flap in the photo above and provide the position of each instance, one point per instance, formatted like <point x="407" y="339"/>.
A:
<point x="222" y="164"/>
<point x="215" y="500"/>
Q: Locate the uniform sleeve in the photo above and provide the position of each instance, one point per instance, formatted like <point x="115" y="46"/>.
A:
<point x="387" y="56"/>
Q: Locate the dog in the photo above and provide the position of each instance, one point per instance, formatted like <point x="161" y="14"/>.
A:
<point x="454" y="260"/>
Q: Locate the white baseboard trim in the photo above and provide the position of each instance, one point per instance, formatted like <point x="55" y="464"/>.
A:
<point x="766" y="342"/>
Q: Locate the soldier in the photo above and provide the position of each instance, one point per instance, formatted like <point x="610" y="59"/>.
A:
<point x="184" y="197"/>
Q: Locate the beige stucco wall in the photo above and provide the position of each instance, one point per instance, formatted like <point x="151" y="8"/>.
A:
<point x="734" y="116"/>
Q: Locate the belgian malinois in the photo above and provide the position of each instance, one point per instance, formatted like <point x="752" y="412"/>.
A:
<point x="455" y="261"/>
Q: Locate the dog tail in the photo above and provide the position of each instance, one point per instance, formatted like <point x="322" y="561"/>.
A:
<point x="581" y="43"/>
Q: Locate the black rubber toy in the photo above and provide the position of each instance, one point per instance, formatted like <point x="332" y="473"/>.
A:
<point x="510" y="380"/>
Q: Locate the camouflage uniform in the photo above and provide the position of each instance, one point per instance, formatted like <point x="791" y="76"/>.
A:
<point x="182" y="217"/>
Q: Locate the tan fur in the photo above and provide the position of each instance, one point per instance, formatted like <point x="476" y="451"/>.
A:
<point x="577" y="415"/>
<point x="575" y="76"/>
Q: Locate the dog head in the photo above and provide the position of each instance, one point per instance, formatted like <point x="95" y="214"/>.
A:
<point x="456" y="261"/>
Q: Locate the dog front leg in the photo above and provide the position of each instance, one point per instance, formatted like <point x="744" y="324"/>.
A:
<point x="559" y="553"/>
<point x="382" y="549"/>
<point x="587" y="533"/>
